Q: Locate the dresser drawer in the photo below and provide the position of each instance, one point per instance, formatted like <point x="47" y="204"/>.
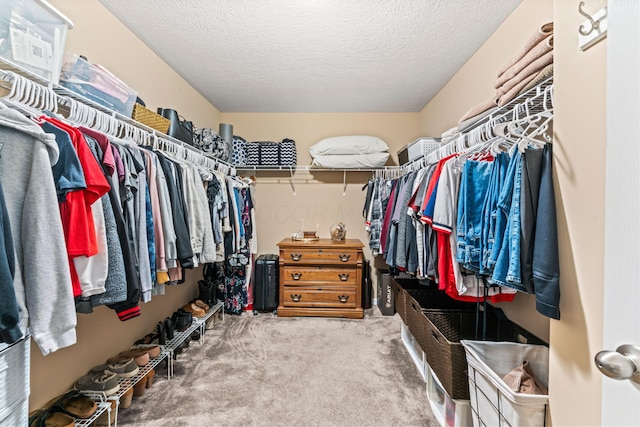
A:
<point x="319" y="297"/>
<point x="307" y="275"/>
<point x="318" y="256"/>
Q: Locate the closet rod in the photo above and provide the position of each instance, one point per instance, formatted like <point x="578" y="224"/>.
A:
<point x="9" y="73"/>
<point x="516" y="106"/>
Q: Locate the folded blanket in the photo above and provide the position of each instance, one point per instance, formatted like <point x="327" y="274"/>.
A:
<point x="541" y="76"/>
<point x="464" y="125"/>
<point x="531" y="70"/>
<point x="514" y="91"/>
<point x="478" y="109"/>
<point x="541" y="33"/>
<point x="537" y="52"/>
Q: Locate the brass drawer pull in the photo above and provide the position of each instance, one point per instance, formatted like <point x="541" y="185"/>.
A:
<point x="296" y="276"/>
<point x="296" y="257"/>
<point x="343" y="298"/>
<point x="344" y="276"/>
<point x="296" y="298"/>
<point x="344" y="257"/>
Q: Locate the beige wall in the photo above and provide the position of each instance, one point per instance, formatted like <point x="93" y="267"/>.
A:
<point x="579" y="122"/>
<point x="103" y="39"/>
<point x="579" y="152"/>
<point x="319" y="200"/>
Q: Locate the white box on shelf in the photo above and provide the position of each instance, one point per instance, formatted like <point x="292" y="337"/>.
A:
<point x="449" y="412"/>
<point x="415" y="351"/>
<point x="492" y="401"/>
<point x="418" y="148"/>
<point x="32" y="36"/>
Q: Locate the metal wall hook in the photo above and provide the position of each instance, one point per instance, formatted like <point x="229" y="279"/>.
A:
<point x="595" y="24"/>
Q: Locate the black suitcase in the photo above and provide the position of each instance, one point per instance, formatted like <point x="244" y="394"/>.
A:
<point x="265" y="290"/>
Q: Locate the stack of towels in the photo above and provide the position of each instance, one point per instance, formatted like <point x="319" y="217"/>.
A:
<point x="532" y="65"/>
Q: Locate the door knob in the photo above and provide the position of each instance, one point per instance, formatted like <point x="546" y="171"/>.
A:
<point x="622" y="364"/>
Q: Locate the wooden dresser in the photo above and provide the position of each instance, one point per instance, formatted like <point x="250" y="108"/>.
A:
<point x="321" y="278"/>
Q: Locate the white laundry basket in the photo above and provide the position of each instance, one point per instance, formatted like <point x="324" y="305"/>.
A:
<point x="493" y="403"/>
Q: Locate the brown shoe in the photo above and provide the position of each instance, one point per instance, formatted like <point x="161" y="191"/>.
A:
<point x="127" y="397"/>
<point x="150" y="375"/>
<point x="140" y="356"/>
<point x="203" y="305"/>
<point x="139" y="388"/>
<point x="194" y="310"/>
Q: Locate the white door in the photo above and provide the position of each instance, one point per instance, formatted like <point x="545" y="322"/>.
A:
<point x="621" y="398"/>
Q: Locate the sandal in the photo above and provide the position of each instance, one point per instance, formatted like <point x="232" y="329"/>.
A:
<point x="50" y="418"/>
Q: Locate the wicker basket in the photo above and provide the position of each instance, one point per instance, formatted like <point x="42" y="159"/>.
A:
<point x="446" y="355"/>
<point x="400" y="286"/>
<point x="418" y="301"/>
<point x="147" y="117"/>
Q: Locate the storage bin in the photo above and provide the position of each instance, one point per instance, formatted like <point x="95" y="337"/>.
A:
<point x="420" y="300"/>
<point x="449" y="412"/>
<point x="415" y="351"/>
<point x="400" y="285"/>
<point x="417" y="149"/>
<point x="445" y="354"/>
<point x="97" y="84"/>
<point x="14" y="377"/>
<point x="32" y="36"/>
<point x="493" y="403"/>
<point x="149" y="118"/>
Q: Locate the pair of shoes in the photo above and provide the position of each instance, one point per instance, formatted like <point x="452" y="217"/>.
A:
<point x="47" y="418"/>
<point x="73" y="404"/>
<point x="140" y="355"/>
<point x="105" y="382"/>
<point x="207" y="292"/>
<point x="195" y="336"/>
<point x="103" y="419"/>
<point x="194" y="309"/>
<point x="169" y="328"/>
<point x="203" y="305"/>
<point x="153" y="349"/>
<point x="181" y="320"/>
<point x="181" y="348"/>
<point x="124" y="368"/>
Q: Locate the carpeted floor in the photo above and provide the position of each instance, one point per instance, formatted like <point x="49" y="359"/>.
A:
<point x="269" y="371"/>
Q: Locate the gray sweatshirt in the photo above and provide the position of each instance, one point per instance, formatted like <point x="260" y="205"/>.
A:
<point x="42" y="281"/>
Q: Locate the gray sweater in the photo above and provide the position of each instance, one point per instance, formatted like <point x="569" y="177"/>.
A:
<point x="42" y="281"/>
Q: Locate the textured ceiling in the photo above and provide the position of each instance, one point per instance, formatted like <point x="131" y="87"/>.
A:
<point x="314" y="55"/>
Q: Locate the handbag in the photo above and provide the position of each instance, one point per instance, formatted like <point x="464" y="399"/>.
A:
<point x="179" y="128"/>
<point x="208" y="141"/>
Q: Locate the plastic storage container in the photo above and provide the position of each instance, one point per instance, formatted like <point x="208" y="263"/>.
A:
<point x="493" y="403"/>
<point x="14" y="382"/>
<point x="32" y="36"/>
<point x="97" y="84"/>
<point x="415" y="351"/>
<point x="449" y="412"/>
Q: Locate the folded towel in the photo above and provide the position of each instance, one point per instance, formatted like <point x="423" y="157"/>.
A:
<point x="538" y="51"/>
<point x="541" y="76"/>
<point x="464" y="125"/>
<point x="478" y="109"/>
<point x="541" y="33"/>
<point x="531" y="70"/>
<point x="450" y="132"/>
<point x="514" y="91"/>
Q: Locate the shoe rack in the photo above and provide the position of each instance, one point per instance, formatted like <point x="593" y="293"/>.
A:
<point x="167" y="352"/>
<point x="198" y="324"/>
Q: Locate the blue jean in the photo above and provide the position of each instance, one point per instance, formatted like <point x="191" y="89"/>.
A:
<point x="507" y="268"/>
<point x="475" y="179"/>
<point x="490" y="211"/>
